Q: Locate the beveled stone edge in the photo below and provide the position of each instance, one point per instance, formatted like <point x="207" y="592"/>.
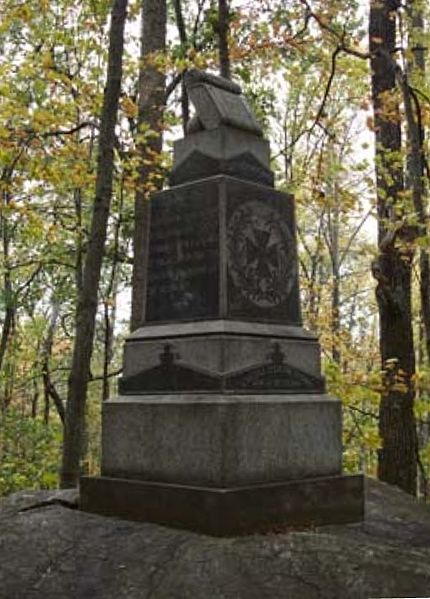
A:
<point x="234" y="488"/>
<point x="219" y="326"/>
<point x="228" y="178"/>
<point x="217" y="398"/>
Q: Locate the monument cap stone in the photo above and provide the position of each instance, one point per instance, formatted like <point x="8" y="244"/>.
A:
<point x="223" y="137"/>
<point x="219" y="101"/>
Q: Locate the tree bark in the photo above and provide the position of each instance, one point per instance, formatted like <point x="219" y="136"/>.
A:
<point x="223" y="33"/>
<point x="152" y="83"/>
<point x="110" y="301"/>
<point x="35" y="398"/>
<point x="8" y="293"/>
<point x="88" y="297"/>
<point x="50" y="391"/>
<point x="415" y="76"/>
<point x="416" y="68"/>
<point x="392" y="269"/>
<point x="185" y="104"/>
<point x="333" y="242"/>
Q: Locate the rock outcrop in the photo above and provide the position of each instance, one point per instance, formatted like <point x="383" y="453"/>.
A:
<point x="49" y="549"/>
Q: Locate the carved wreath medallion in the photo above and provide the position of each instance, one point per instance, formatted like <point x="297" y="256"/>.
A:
<point x="260" y="254"/>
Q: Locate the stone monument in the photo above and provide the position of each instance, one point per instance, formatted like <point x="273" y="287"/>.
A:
<point x="222" y="424"/>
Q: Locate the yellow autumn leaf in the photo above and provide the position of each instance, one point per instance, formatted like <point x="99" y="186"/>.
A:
<point x="129" y="107"/>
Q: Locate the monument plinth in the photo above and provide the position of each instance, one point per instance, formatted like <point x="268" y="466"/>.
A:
<point x="222" y="424"/>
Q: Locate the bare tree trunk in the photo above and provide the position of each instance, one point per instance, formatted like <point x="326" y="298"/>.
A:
<point x="109" y="309"/>
<point x="9" y="300"/>
<point x="185" y="104"/>
<point x="9" y="317"/>
<point x="392" y="269"/>
<point x="311" y="272"/>
<point x="50" y="392"/>
<point x="152" y="85"/>
<point x="88" y="297"/>
<point x="334" y="250"/>
<point x="77" y="197"/>
<point x="110" y="301"/>
<point x="415" y="75"/>
<point x="416" y="160"/>
<point x="425" y="297"/>
<point x="223" y="32"/>
<point x="35" y="399"/>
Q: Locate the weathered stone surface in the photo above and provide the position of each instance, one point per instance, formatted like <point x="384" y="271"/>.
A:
<point x="51" y="552"/>
<point x="208" y="328"/>
<point x="222" y="248"/>
<point x="221" y="512"/>
<point x="221" y="346"/>
<point x="222" y="364"/>
<point x="199" y="165"/>
<point x="223" y="412"/>
<point x="219" y="102"/>
<point x="225" y="151"/>
<point x="221" y="439"/>
<point x="183" y="268"/>
<point x="224" y="136"/>
<point x="224" y="143"/>
<point x="221" y="354"/>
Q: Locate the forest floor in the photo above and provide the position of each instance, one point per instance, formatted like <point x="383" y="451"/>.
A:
<point x="49" y="549"/>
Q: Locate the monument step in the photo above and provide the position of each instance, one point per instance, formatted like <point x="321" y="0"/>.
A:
<point x="260" y="508"/>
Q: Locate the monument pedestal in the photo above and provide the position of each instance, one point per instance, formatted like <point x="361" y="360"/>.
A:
<point x="222" y="425"/>
<point x="229" y="511"/>
<point x="248" y="442"/>
<point x="221" y="440"/>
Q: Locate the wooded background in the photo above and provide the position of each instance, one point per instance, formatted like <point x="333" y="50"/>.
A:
<point x="91" y="97"/>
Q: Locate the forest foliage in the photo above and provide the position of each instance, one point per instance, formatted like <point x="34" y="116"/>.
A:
<point x="304" y="66"/>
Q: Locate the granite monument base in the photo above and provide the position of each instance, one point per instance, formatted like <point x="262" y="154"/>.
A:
<point x="221" y="440"/>
<point x="259" y="508"/>
<point x="224" y="464"/>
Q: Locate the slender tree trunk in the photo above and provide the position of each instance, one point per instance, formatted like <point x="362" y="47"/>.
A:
<point x="415" y="77"/>
<point x="223" y="33"/>
<point x="335" y="295"/>
<point x="50" y="391"/>
<point x="35" y="399"/>
<point x="185" y="104"/>
<point x="46" y="406"/>
<point x="332" y="237"/>
<point x="416" y="67"/>
<point x="6" y="328"/>
<point x="110" y="301"/>
<point x="9" y="300"/>
<point x="109" y="309"/>
<point x="10" y="371"/>
<point x="77" y="197"/>
<point x="425" y="297"/>
<point x="7" y="331"/>
<point x="88" y="297"/>
<point x="152" y="85"/>
<point x="392" y="269"/>
<point x="334" y="250"/>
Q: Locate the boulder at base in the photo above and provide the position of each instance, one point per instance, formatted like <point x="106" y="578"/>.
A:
<point x="49" y="549"/>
